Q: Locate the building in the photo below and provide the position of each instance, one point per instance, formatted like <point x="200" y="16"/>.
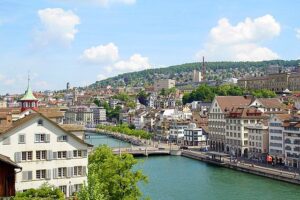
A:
<point x="29" y="101"/>
<point x="276" y="137"/>
<point x="194" y="136"/>
<point x="291" y="136"/>
<point x="99" y="114"/>
<point x="163" y="84"/>
<point x="8" y="176"/>
<point x="220" y="106"/>
<point x="177" y="131"/>
<point x="236" y="132"/>
<point x="79" y="115"/>
<point x="258" y="140"/>
<point x="197" y="77"/>
<point x="277" y="82"/>
<point x="46" y="152"/>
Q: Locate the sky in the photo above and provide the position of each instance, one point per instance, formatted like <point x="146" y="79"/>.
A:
<point x="82" y="41"/>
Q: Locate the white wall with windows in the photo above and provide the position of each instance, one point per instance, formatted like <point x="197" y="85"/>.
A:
<point x="46" y="153"/>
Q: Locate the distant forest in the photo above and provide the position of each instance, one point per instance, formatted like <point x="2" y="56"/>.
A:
<point x="145" y="77"/>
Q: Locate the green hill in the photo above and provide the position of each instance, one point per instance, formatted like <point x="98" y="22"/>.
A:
<point x="214" y="71"/>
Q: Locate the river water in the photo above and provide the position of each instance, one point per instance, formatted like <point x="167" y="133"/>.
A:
<point x="180" y="178"/>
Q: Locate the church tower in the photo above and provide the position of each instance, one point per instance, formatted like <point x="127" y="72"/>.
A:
<point x="28" y="101"/>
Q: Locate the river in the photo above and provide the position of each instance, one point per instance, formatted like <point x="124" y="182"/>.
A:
<point x="180" y="178"/>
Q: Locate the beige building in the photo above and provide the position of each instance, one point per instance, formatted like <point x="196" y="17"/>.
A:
<point x="237" y="121"/>
<point x="221" y="106"/>
<point x="164" y="84"/>
<point x="258" y="140"/>
<point x="275" y="82"/>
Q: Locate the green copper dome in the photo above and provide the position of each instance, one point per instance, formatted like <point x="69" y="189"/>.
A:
<point x="28" y="95"/>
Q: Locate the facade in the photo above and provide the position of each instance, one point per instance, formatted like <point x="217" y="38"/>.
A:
<point x="194" y="136"/>
<point x="276" y="139"/>
<point x="291" y="135"/>
<point x="177" y="131"/>
<point x="197" y="77"/>
<point x="99" y="114"/>
<point x="258" y="140"/>
<point x="79" y="115"/>
<point x="220" y="106"/>
<point x="236" y="132"/>
<point x="164" y="84"/>
<point x="277" y="82"/>
<point x="46" y="153"/>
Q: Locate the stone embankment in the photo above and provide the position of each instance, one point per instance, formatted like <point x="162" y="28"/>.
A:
<point x="244" y="167"/>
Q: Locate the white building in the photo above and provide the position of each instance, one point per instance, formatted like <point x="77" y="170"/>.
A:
<point x="164" y="84"/>
<point x="276" y="138"/>
<point x="177" y="131"/>
<point x="194" y="136"/>
<point x="99" y="114"/>
<point x="197" y="77"/>
<point x="46" y="153"/>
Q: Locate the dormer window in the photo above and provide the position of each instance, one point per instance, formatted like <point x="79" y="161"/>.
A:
<point x="40" y="122"/>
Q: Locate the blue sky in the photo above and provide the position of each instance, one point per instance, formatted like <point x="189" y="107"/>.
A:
<point x="80" y="42"/>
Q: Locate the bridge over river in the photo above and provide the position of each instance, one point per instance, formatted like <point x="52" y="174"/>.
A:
<point x="146" y="151"/>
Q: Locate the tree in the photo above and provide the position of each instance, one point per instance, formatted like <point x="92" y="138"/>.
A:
<point x="111" y="177"/>
<point x="45" y="192"/>
<point x="142" y="97"/>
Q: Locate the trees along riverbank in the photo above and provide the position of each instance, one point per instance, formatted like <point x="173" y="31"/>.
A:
<point x="124" y="129"/>
<point x="111" y="177"/>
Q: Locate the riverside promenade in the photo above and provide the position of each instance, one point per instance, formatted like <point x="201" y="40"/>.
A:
<point x="291" y="177"/>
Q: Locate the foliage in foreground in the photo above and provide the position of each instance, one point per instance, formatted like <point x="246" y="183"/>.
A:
<point x="125" y="129"/>
<point x="45" y="192"/>
<point x="111" y="177"/>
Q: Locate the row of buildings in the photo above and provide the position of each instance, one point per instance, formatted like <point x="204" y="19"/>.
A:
<point x="253" y="128"/>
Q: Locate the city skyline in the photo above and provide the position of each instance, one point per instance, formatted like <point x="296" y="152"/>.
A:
<point x="61" y="41"/>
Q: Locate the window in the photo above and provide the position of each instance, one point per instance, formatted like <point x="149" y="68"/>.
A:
<point x="40" y="122"/>
<point x="77" y="187"/>
<point x="22" y="139"/>
<point x="62" y="172"/>
<point x="42" y="138"/>
<point x="77" y="171"/>
<point x="63" y="188"/>
<point x="41" y="155"/>
<point x="40" y="174"/>
<point x="26" y="155"/>
<point x="62" y="138"/>
<point x="62" y="154"/>
<point x="26" y="175"/>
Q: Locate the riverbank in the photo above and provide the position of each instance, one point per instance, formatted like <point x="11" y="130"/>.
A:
<point x="248" y="168"/>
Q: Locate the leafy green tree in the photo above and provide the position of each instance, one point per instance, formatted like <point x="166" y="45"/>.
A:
<point x="264" y="93"/>
<point x="45" y="192"/>
<point x="97" y="102"/>
<point x="111" y="177"/>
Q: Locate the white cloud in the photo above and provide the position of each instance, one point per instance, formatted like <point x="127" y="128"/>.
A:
<point x="58" y="26"/>
<point x="135" y="63"/>
<point x="101" y="54"/>
<point x="241" y="42"/>
<point x="298" y="33"/>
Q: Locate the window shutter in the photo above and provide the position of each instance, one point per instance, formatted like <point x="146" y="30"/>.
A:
<point x="25" y="175"/>
<point x="48" y="174"/>
<point x="55" y="173"/>
<point x="30" y="175"/>
<point x="84" y="153"/>
<point x="49" y="155"/>
<point x="84" y="170"/>
<point x="17" y="157"/>
<point x="37" y="137"/>
<point x="69" y="172"/>
<point x="69" y="154"/>
<point x="47" y="137"/>
<point x="54" y="155"/>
